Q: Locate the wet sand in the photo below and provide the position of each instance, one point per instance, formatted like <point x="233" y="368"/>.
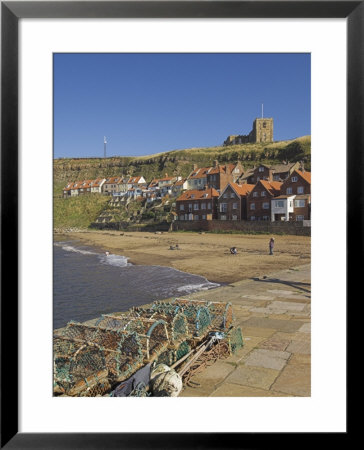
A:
<point x="203" y="254"/>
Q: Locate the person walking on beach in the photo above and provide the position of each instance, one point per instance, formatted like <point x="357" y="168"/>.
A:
<point x="271" y="246"/>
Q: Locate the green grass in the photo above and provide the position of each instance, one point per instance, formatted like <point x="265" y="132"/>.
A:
<point x="77" y="212"/>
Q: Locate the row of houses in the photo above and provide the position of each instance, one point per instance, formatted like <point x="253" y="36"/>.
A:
<point x="224" y="192"/>
<point x="267" y="199"/>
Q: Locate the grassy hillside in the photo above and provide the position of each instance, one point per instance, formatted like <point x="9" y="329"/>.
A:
<point x="180" y="162"/>
<point x="77" y="212"/>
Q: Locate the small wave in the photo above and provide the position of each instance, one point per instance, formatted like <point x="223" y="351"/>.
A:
<point x="189" y="288"/>
<point x="70" y="248"/>
<point x="114" y="260"/>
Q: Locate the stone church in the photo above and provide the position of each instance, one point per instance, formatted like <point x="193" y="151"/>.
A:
<point x="262" y="132"/>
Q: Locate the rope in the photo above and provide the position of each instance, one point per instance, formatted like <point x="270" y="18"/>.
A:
<point x="207" y="359"/>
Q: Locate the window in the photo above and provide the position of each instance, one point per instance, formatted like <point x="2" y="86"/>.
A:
<point x="209" y="205"/>
<point x="203" y="205"/>
<point x="232" y="195"/>
<point x="300" y="190"/>
<point x="289" y="191"/>
<point x="196" y="217"/>
<point x="181" y="217"/>
<point x="225" y="195"/>
<point x="192" y="195"/>
<point x="195" y="206"/>
<point x="298" y="218"/>
<point x="252" y="206"/>
<point x="252" y="218"/>
<point x="279" y="204"/>
<point x="255" y="194"/>
<point x="223" y="217"/>
<point x="261" y="169"/>
<point x="265" y="205"/>
<point x="203" y="217"/>
<point x="190" y="207"/>
<point x="235" y="206"/>
<point x="265" y="217"/>
<point x="264" y="124"/>
<point x="182" y="207"/>
<point x="294" y="179"/>
<point x="263" y="194"/>
<point x="223" y="207"/>
<point x="299" y="203"/>
<point x="235" y="217"/>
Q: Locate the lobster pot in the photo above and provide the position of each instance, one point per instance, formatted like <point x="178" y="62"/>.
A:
<point x="173" y="354"/>
<point x="119" y="323"/>
<point x="153" y="336"/>
<point x="165" y="308"/>
<point x="222" y="315"/>
<point x="77" y="367"/>
<point x="176" y="322"/>
<point x="198" y="316"/>
<point x="123" y="350"/>
<point x="235" y="339"/>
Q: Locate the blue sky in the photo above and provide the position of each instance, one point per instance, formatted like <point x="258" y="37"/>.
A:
<point x="150" y="103"/>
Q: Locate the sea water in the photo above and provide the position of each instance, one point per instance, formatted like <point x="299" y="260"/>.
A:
<point x="88" y="283"/>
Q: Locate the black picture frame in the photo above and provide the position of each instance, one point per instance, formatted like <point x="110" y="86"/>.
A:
<point x="11" y="12"/>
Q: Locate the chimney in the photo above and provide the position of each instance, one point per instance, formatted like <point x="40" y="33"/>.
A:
<point x="228" y="169"/>
<point x="302" y="167"/>
<point x="195" y="166"/>
<point x="166" y="174"/>
<point x="216" y="163"/>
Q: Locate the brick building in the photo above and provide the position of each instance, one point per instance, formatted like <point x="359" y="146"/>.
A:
<point x="259" y="199"/>
<point x="232" y="203"/>
<point x="299" y="184"/>
<point x="197" y="205"/>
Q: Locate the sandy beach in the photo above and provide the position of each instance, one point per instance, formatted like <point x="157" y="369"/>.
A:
<point x="203" y="254"/>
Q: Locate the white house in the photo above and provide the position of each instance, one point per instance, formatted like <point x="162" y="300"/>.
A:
<point x="282" y="207"/>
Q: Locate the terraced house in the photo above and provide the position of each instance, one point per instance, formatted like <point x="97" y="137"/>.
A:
<point x="217" y="176"/>
<point x="111" y="185"/>
<point x="298" y="185"/>
<point x="259" y="199"/>
<point x="232" y="203"/>
<point x="197" y="205"/>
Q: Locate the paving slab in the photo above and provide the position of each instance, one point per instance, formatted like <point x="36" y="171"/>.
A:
<point x="258" y="377"/>
<point x="237" y="390"/>
<point x="295" y="379"/>
<point x="281" y="325"/>
<point x="288" y="306"/>
<point x="306" y="328"/>
<point x="256" y="331"/>
<point x="299" y="347"/>
<point x="274" y="344"/>
<point x="270" y="359"/>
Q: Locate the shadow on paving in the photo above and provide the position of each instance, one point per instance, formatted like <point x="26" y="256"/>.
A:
<point x="293" y="284"/>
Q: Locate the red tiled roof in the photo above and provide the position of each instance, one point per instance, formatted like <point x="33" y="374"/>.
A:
<point x="242" y="189"/>
<point x="273" y="187"/>
<point x="305" y="175"/>
<point x="195" y="194"/>
<point x="112" y="180"/>
<point x="199" y="172"/>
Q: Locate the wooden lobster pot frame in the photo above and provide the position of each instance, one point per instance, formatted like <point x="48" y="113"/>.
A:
<point x="176" y="322"/>
<point x="174" y="353"/>
<point x="153" y="335"/>
<point x="123" y="349"/>
<point x="198" y="316"/>
<point x="79" y="368"/>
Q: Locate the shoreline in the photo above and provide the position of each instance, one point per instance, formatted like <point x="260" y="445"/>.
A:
<point x="201" y="254"/>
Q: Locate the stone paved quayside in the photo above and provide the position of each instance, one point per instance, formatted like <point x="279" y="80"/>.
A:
<point x="274" y="313"/>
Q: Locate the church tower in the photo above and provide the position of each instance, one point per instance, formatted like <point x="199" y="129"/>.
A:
<point x="262" y="130"/>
